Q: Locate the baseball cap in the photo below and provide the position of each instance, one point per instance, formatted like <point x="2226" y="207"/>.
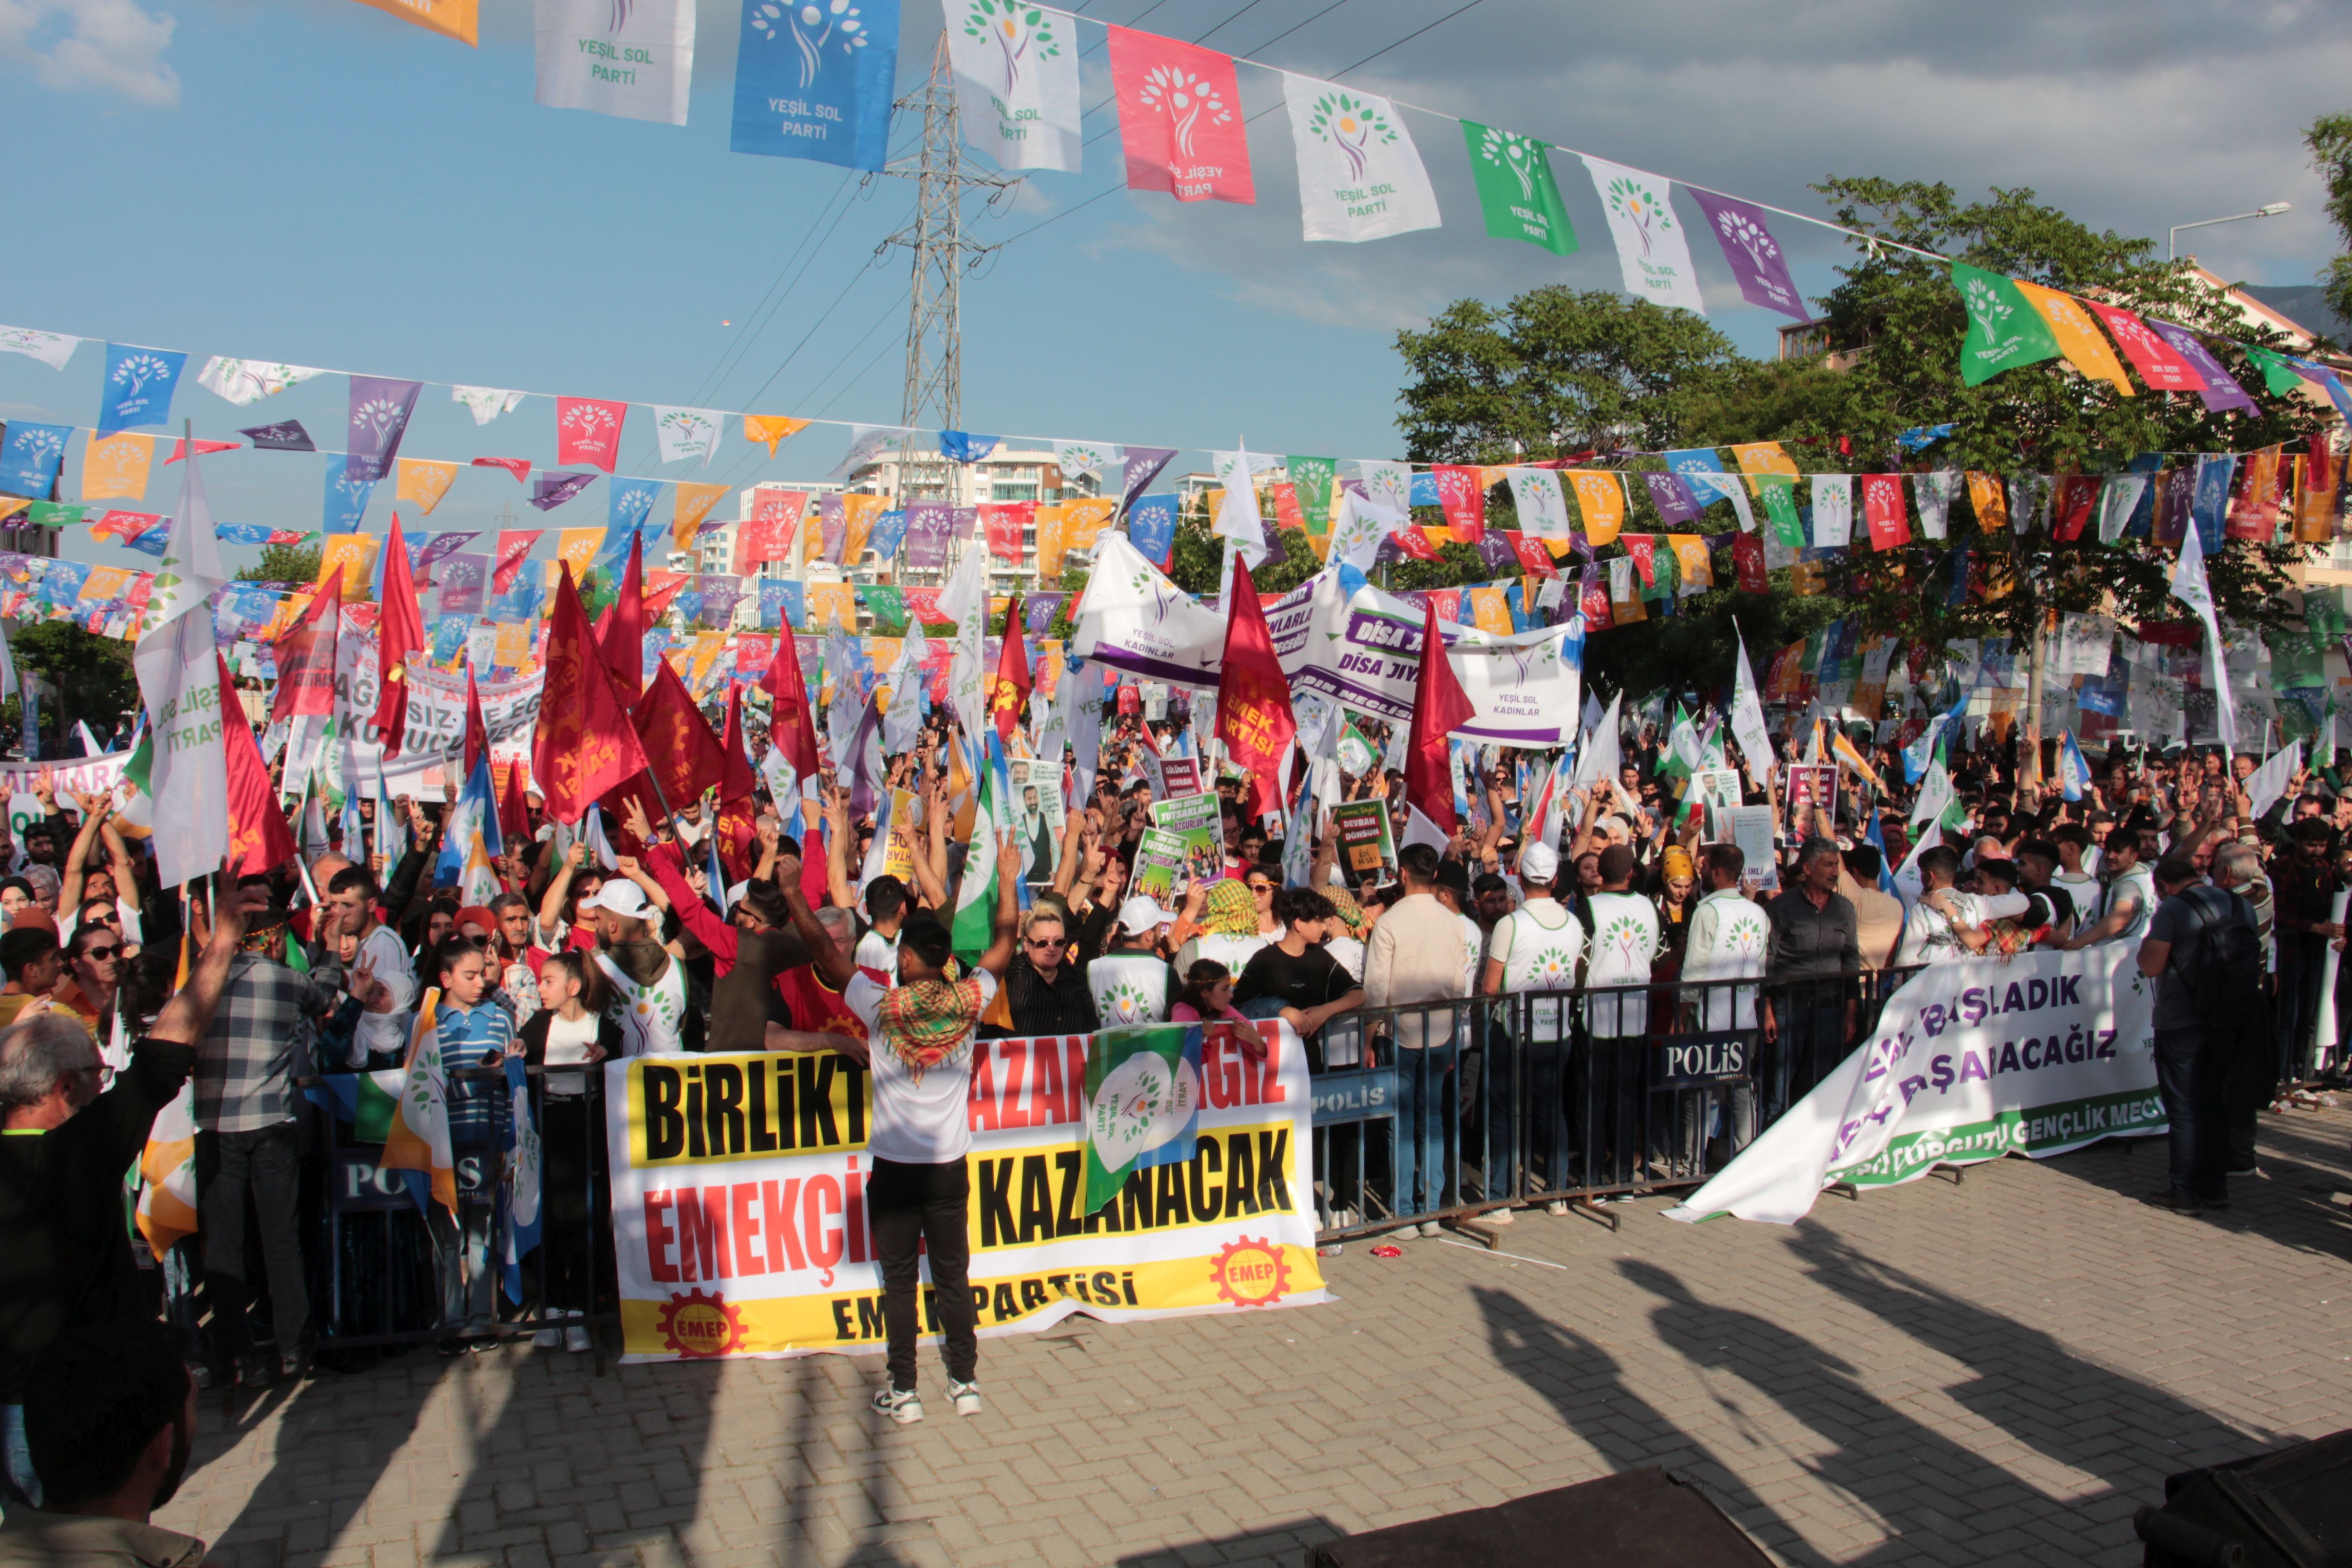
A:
<point x="1539" y="862"/>
<point x="1140" y="914"/>
<point x="624" y="898"/>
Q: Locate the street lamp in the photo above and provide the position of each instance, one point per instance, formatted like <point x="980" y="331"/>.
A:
<point x="2172" y="240"/>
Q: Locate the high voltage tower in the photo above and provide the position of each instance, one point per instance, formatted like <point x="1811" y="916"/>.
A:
<point x="942" y="174"/>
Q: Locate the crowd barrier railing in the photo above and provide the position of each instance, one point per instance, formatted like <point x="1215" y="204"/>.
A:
<point x="1443" y="1110"/>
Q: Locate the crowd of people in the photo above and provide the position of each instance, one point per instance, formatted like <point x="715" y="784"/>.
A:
<point x="623" y="937"/>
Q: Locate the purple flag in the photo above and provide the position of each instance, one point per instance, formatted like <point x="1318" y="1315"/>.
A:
<point x="930" y="526"/>
<point x="1143" y="466"/>
<point x="1041" y="608"/>
<point x="1754" y="255"/>
<point x="1496" y="551"/>
<point x="719" y="591"/>
<point x="380" y="410"/>
<point x="286" y="436"/>
<point x="1582" y="545"/>
<point x="833" y="519"/>
<point x="461" y="578"/>
<point x="442" y="544"/>
<point x="553" y="490"/>
<point x="1672" y="498"/>
<point x="2221" y="391"/>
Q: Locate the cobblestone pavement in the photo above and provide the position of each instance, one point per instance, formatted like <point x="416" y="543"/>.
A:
<point x="2001" y="1369"/>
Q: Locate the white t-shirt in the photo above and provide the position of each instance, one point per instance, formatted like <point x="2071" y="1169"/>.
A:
<point x="1728" y="938"/>
<point x="1234" y="951"/>
<point x="567" y="1045"/>
<point x="916" y="1121"/>
<point x="651" y="1015"/>
<point x="878" y="954"/>
<point x="1474" y="944"/>
<point x="1928" y="938"/>
<point x="2138" y="882"/>
<point x="1624" y="941"/>
<point x="1128" y="988"/>
<point x="1351" y="954"/>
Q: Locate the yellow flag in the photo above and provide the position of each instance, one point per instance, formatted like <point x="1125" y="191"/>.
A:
<point x="1624" y="593"/>
<point x="1052" y="538"/>
<point x="858" y="511"/>
<point x="116" y="467"/>
<point x="1693" y="565"/>
<point x="456" y="19"/>
<point x="1601" y="496"/>
<point x="1084" y="520"/>
<point x="1990" y="498"/>
<point x="708" y="646"/>
<point x="769" y="430"/>
<point x="353" y="556"/>
<point x="833" y="605"/>
<point x="576" y="547"/>
<point x="1807" y="578"/>
<point x="2085" y="346"/>
<point x="11" y="505"/>
<point x="1490" y="611"/>
<point x="511" y="647"/>
<point x="692" y="504"/>
<point x="424" y="482"/>
<point x="103" y="584"/>
<point x="1763" y="458"/>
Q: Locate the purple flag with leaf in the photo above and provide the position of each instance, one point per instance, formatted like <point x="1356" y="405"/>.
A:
<point x="1143" y="466"/>
<point x="832" y="520"/>
<point x="2221" y="391"/>
<point x="1754" y="255"/>
<point x="721" y="590"/>
<point x="380" y="410"/>
<point x="442" y="544"/>
<point x="1496" y="551"/>
<point x="1672" y="498"/>
<point x="930" y="526"/>
<point x="285" y="436"/>
<point x="554" y="489"/>
<point x="1039" y="609"/>
<point x="461" y="578"/>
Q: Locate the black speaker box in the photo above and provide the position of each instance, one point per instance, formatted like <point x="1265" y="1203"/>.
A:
<point x="2291" y="1509"/>
<point x="1640" y="1519"/>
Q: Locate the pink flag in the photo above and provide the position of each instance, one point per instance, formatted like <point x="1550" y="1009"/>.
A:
<point x="513" y="548"/>
<point x="2158" y="365"/>
<point x="588" y="431"/>
<point x="1180" y="118"/>
<point x="1882" y="510"/>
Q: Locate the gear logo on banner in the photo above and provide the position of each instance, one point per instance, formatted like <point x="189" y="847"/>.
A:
<point x="1250" y="1273"/>
<point x="696" y="1324"/>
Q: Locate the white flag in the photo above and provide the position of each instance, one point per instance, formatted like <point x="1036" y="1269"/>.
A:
<point x="52" y="349"/>
<point x="8" y="672"/>
<point x="2117" y="501"/>
<point x="1933" y="493"/>
<point x="243" y="381"/>
<point x="486" y="401"/>
<point x="684" y="433"/>
<point x="1095" y="459"/>
<point x="1543" y="507"/>
<point x="865" y="444"/>
<point x="2189" y="586"/>
<point x="179" y="680"/>
<point x="1599" y="757"/>
<point x="1653" y="250"/>
<point x="1360" y="176"/>
<point x="633" y="59"/>
<point x="1387" y="484"/>
<point x="1016" y="80"/>
<point x="1748" y="722"/>
<point x="1237" y="517"/>
<point x="1833" y="509"/>
<point x="2266" y="784"/>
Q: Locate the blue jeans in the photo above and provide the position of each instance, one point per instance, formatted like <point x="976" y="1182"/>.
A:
<point x="2192" y="1079"/>
<point x="1425" y="1126"/>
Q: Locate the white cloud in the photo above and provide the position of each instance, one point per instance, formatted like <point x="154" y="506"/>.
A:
<point x="93" y="46"/>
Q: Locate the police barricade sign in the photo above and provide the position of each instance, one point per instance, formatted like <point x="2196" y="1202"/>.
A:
<point x="739" y="1194"/>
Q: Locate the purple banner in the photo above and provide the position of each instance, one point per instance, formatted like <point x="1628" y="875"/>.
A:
<point x="1672" y="498"/>
<point x="380" y="410"/>
<point x="833" y="519"/>
<point x="2221" y="391"/>
<point x="1496" y="552"/>
<point x="552" y="491"/>
<point x="286" y="437"/>
<point x="1041" y="608"/>
<point x="719" y="591"/>
<point x="930" y="524"/>
<point x="461" y="578"/>
<point x="1754" y="255"/>
<point x="1143" y="466"/>
<point x="441" y="545"/>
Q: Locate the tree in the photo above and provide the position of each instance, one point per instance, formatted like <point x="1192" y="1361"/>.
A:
<point x="286" y="564"/>
<point x="93" y="672"/>
<point x="1197" y="564"/>
<point x="2330" y="141"/>
<point x="1554" y="373"/>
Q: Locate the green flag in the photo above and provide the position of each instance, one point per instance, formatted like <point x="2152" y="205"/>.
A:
<point x="1143" y="1102"/>
<point x="975" y="912"/>
<point x="2277" y="375"/>
<point x="1314" y="478"/>
<point x="1515" y="189"/>
<point x="2004" y="329"/>
<point x="1779" y="493"/>
<point x="1681" y="747"/>
<point x="141" y="761"/>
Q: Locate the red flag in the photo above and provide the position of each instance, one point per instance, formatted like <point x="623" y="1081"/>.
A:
<point x="513" y="548"/>
<point x="584" y="743"/>
<point x="1416" y="544"/>
<point x="1748" y="560"/>
<point x="1005" y="522"/>
<point x="514" y="809"/>
<point x="2159" y="362"/>
<point x="1439" y="708"/>
<point x="203" y="449"/>
<point x="588" y="430"/>
<point x="305" y="652"/>
<point x="738" y="781"/>
<point x="258" y="837"/>
<point x="1533" y="555"/>
<point x="1882" y="510"/>
<point x="661" y="588"/>
<point x="791" y="727"/>
<point x="399" y="632"/>
<point x="478" y="733"/>
<point x="1180" y="118"/>
<point x="2078" y="499"/>
<point x="1254" y="715"/>
<point x="1462" y="496"/>
<point x="518" y="467"/>
<point x="737" y="809"/>
<point x="1011" y="692"/>
<point x="680" y="750"/>
<point x="622" y="638"/>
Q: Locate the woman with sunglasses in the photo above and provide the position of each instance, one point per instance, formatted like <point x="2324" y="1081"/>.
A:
<point x="1044" y="989"/>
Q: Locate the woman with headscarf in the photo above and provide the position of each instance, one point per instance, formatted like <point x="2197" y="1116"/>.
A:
<point x="1224" y="918"/>
<point x="1675" y="895"/>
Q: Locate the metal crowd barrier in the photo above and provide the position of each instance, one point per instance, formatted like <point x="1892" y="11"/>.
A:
<point x="385" y="1271"/>
<point x="1443" y="1110"/>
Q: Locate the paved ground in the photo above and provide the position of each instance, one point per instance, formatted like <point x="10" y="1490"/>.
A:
<point x="1998" y="1370"/>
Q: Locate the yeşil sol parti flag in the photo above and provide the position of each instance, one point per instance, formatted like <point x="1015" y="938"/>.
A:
<point x="418" y="1136"/>
<point x="1360" y="176"/>
<point x="1016" y="78"/>
<point x="813" y="81"/>
<point x="179" y="681"/>
<point x="1653" y="250"/>
<point x="633" y="58"/>
<point x="1143" y="1103"/>
<point x="1516" y="191"/>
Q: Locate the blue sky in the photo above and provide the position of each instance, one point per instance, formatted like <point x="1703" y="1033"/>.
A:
<point x="319" y="183"/>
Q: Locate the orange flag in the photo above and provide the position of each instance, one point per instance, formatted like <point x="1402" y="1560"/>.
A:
<point x="1254" y="716"/>
<point x="770" y="430"/>
<point x="2083" y="345"/>
<point x="584" y="743"/>
<point x="459" y="19"/>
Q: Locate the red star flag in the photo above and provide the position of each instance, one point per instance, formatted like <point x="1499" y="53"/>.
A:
<point x="1254" y="715"/>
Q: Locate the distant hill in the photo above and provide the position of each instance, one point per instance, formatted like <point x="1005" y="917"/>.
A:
<point x="2305" y="304"/>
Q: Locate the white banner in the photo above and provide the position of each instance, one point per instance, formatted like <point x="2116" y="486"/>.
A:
<point x="437" y="719"/>
<point x="1652" y="247"/>
<point x="1361" y="650"/>
<point x="1360" y="176"/>
<point x="633" y="59"/>
<point x="1016" y="78"/>
<point x="1971" y="1061"/>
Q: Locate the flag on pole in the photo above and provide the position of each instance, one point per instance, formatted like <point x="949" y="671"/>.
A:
<point x="179" y="681"/>
<point x="621" y="640"/>
<point x="975" y="912"/>
<point x="2074" y="772"/>
<point x="1748" y="722"/>
<point x="1254" y="714"/>
<point x="418" y="1136"/>
<point x="1439" y="708"/>
<point x="584" y="743"/>
<point x="399" y="633"/>
<point x="2190" y="588"/>
<point x="258" y="837"/>
<point x="167" y="1172"/>
<point x="1681" y="747"/>
<point x="1010" y="695"/>
<point x="1846" y="751"/>
<point x="472" y="842"/>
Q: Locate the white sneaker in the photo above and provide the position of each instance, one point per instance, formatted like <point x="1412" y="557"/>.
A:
<point x="1557" y="1208"/>
<point x="575" y="1337"/>
<point x="899" y="1405"/>
<point x="1431" y="1227"/>
<point x="1497" y="1217"/>
<point x="966" y="1396"/>
<point x="546" y="1339"/>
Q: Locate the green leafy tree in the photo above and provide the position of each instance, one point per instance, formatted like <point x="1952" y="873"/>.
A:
<point x="286" y="564"/>
<point x="93" y="672"/>
<point x="1198" y="560"/>
<point x="2330" y="141"/>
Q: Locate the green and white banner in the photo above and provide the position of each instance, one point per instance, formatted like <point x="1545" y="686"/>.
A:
<point x="1971" y="1061"/>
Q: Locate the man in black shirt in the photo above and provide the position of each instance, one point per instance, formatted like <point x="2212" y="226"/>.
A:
<point x="1812" y="959"/>
<point x="1296" y="979"/>
<point x="2304" y="892"/>
<point x="1045" y="993"/>
<point x="2037" y="863"/>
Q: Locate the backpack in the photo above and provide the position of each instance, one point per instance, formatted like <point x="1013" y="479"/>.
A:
<point x="2225" y="979"/>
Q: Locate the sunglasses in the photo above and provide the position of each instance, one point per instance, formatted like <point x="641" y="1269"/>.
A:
<point x="1044" y="943"/>
<point x="98" y="954"/>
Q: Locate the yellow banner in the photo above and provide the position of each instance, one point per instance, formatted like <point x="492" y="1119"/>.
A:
<point x="833" y="605"/>
<point x="425" y="482"/>
<point x="691" y="504"/>
<point x="353" y="556"/>
<point x="1052" y="538"/>
<point x="116" y="467"/>
<point x="104" y="583"/>
<point x="769" y="430"/>
<point x="708" y="647"/>
<point x="1490" y="611"/>
<point x="2085" y="346"/>
<point x="1083" y="521"/>
<point x="1763" y="458"/>
<point x="858" y="513"/>
<point x="456" y="19"/>
<point x="1693" y="565"/>
<point x="1990" y="498"/>
<point x="576" y="547"/>
<point x="1602" y="497"/>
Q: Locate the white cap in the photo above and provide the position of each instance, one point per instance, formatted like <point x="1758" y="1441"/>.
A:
<point x="1140" y="914"/>
<point x="624" y="898"/>
<point x="1539" y="862"/>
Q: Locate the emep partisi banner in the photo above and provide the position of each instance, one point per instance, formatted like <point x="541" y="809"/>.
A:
<point x="738" y="1208"/>
<point x="1971" y="1061"/>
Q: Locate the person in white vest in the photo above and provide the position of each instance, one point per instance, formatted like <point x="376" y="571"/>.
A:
<point x="2129" y="899"/>
<point x="1132" y="984"/>
<point x="1536" y="948"/>
<point x="1625" y="945"/>
<point x="1729" y="935"/>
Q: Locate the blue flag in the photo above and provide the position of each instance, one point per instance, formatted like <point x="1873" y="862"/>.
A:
<point x="1877" y="839"/>
<point x="890" y="532"/>
<point x="138" y="389"/>
<point x="962" y="447"/>
<point x="1151" y="528"/>
<point x="471" y="844"/>
<point x="629" y="502"/>
<point x="1423" y="490"/>
<point x="816" y="80"/>
<point x="2211" y="508"/>
<point x="347" y="498"/>
<point x="2073" y="770"/>
<point x="519" y="1202"/>
<point x="28" y="462"/>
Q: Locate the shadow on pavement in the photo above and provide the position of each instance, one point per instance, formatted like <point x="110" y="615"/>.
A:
<point x="1277" y="1546"/>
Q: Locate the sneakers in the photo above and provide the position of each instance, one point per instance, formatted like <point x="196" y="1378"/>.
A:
<point x="576" y="1339"/>
<point x="1497" y="1217"/>
<point x="1557" y="1208"/>
<point x="966" y="1396"/>
<point x="900" y="1404"/>
<point x="1431" y="1227"/>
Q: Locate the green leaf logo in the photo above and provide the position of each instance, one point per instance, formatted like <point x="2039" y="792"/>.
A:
<point x="1351" y="124"/>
